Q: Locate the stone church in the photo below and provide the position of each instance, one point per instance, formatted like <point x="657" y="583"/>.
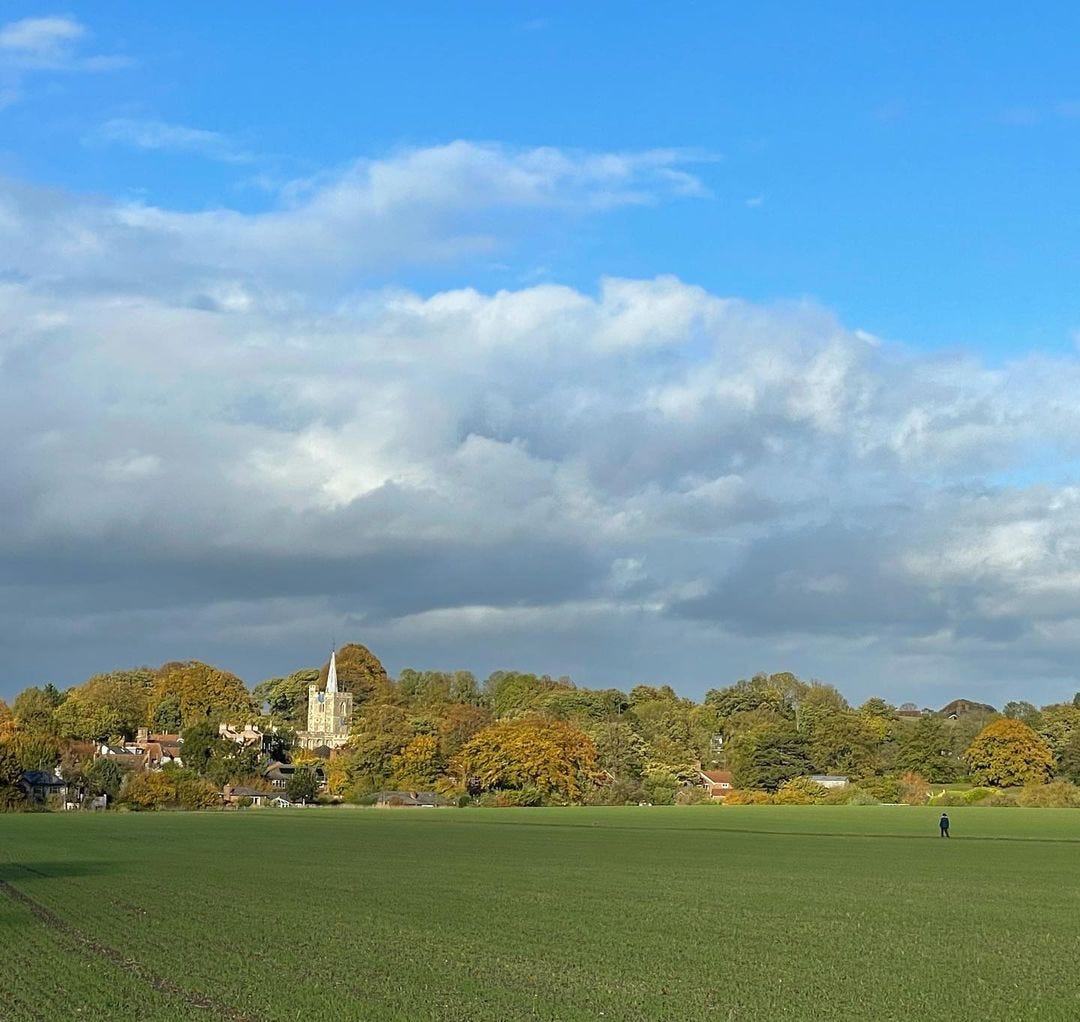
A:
<point x="328" y="714"/>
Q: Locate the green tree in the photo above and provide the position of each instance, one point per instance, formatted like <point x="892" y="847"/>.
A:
<point x="201" y="745"/>
<point x="927" y="749"/>
<point x="843" y="743"/>
<point x="620" y="750"/>
<point x="33" y="711"/>
<point x="768" y="755"/>
<point x="286" y="698"/>
<point x="1008" y="752"/>
<point x="1068" y="765"/>
<point x="36" y="751"/>
<point x="1023" y="711"/>
<point x="80" y="718"/>
<point x="165" y="715"/>
<point x="11" y="794"/>
<point x="301" y="787"/>
<point x="104" y="777"/>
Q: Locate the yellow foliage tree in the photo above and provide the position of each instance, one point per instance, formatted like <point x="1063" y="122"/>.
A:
<point x="1008" y="752"/>
<point x="205" y="693"/>
<point x="417" y="765"/>
<point x="360" y="672"/>
<point x="553" y="756"/>
<point x="337" y="775"/>
<point x="7" y="721"/>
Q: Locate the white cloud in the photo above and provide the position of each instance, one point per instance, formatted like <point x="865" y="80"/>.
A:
<point x="44" y="38"/>
<point x="161" y="136"/>
<point x="420" y="206"/>
<point x="48" y="44"/>
<point x="189" y="420"/>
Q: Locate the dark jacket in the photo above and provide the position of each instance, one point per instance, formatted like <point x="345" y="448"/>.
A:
<point x="944" y="822"/>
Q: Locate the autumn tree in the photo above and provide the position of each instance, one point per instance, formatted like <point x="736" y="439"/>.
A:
<point x="458" y="723"/>
<point x="552" y="756"/>
<point x="379" y="734"/>
<point x="1008" y="752"/>
<point x="205" y="693"/>
<point x="107" y="704"/>
<point x="7" y="720"/>
<point x="360" y="672"/>
<point x="418" y="763"/>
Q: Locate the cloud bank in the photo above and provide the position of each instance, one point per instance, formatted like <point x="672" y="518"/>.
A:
<point x="214" y="436"/>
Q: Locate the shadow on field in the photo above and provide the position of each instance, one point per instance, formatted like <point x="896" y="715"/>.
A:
<point x="16" y="871"/>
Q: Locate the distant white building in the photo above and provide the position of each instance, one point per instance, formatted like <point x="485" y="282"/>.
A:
<point x="328" y="714"/>
<point x="829" y="780"/>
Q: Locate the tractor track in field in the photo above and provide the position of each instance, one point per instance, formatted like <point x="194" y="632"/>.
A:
<point x="84" y="942"/>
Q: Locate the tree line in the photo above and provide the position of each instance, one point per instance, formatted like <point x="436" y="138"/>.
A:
<point x="518" y="738"/>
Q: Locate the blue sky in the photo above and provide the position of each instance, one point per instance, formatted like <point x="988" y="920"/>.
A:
<point x="876" y="206"/>
<point x="914" y="169"/>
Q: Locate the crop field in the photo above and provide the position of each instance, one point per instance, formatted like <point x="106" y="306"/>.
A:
<point x="738" y="913"/>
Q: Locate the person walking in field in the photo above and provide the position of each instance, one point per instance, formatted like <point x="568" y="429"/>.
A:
<point x="943" y="823"/>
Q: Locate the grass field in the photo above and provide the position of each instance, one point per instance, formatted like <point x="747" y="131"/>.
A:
<point x="737" y="913"/>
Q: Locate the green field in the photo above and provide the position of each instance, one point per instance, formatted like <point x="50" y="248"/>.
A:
<point x="632" y="913"/>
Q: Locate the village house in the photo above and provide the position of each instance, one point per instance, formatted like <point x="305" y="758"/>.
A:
<point x="234" y="795"/>
<point x="716" y="782"/>
<point x="249" y="736"/>
<point x="147" y="752"/>
<point x="278" y="774"/>
<point x="42" y="787"/>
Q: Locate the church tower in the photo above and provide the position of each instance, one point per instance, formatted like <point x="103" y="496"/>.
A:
<point x="329" y="713"/>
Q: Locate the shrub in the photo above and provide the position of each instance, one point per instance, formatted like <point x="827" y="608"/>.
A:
<point x="747" y="797"/>
<point x="1055" y="795"/>
<point x="948" y="799"/>
<point x="975" y="795"/>
<point x="619" y="792"/>
<point x="800" y="791"/>
<point x="859" y="797"/>
<point x="885" y="789"/>
<point x="914" y="789"/>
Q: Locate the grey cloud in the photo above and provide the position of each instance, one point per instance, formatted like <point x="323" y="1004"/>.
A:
<point x="228" y="454"/>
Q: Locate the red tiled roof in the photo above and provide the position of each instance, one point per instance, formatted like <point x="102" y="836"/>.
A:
<point x="718" y="776"/>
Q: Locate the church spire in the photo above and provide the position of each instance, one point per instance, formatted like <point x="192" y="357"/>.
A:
<point x="331" y="674"/>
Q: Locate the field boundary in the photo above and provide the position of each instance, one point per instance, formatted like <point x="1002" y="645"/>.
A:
<point x="62" y="928"/>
